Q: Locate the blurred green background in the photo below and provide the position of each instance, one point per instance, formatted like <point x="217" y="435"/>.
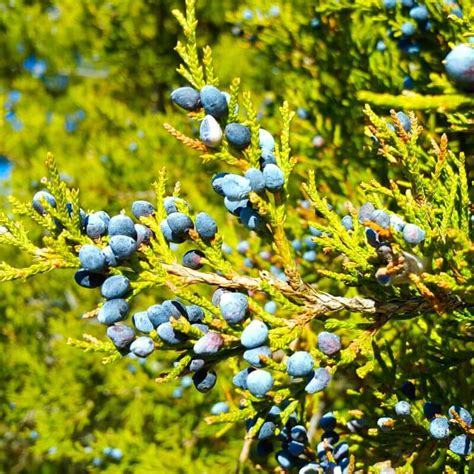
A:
<point x="89" y="81"/>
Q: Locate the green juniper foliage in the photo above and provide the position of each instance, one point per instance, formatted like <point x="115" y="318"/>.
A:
<point x="330" y="311"/>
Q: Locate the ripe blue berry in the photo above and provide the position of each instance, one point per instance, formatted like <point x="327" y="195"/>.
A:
<point x="168" y="334"/>
<point x="142" y="322"/>
<point x="252" y="356"/>
<point x="206" y="226"/>
<point x="328" y="421"/>
<point x="380" y="46"/>
<point x="171" y="204"/>
<point x="204" y="380"/>
<point x="310" y="256"/>
<point x="462" y="412"/>
<point x="142" y="346"/>
<point x="285" y="459"/>
<point x="195" y="313"/>
<point x="102" y="215"/>
<point x="235" y="207"/>
<point x="408" y="29"/>
<point x="365" y="212"/>
<point x="142" y="209"/>
<point x="381" y="218"/>
<point x="92" y="258"/>
<point x="113" y="311"/>
<point x="210" y="132"/>
<point x="402" y="408"/>
<point x="214" y="102"/>
<point x="419" y="13"/>
<point x="88" y="279"/>
<point x="110" y="258"/>
<point x="296" y="448"/>
<point x="235" y="187"/>
<point x="193" y="259"/>
<point x="372" y="237"/>
<point x="208" y="344"/>
<point x="274" y="177"/>
<point x="169" y="235"/>
<point x="256" y="178"/>
<point x="405" y="121"/>
<point x="259" y="382"/>
<point x="296" y="244"/>
<point x="270" y="307"/>
<point x="187" y="98"/>
<point x="95" y="227"/>
<point x="267" y="430"/>
<point x="439" y="428"/>
<point x="243" y="246"/>
<point x="121" y="336"/>
<point x="346" y="221"/>
<point x="413" y="234"/>
<point x="122" y="246"/>
<point x="461" y="445"/>
<point x="144" y="234"/>
<point x="319" y="381"/>
<point x="459" y="65"/>
<point x="254" y="335"/>
<point x="216" y="296"/>
<point x="122" y="225"/>
<point x="251" y="220"/>
<point x="240" y="379"/>
<point x="217" y="181"/>
<point x="179" y="223"/>
<point x="430" y="409"/>
<point x="341" y="451"/>
<point x="266" y="140"/>
<point x="300" y="364"/>
<point x="237" y="135"/>
<point x="40" y="198"/>
<point x="174" y="309"/>
<point x="196" y="364"/>
<point x="219" y="407"/>
<point x="302" y="113"/>
<point x="157" y="315"/>
<point x="397" y="222"/>
<point x="299" y="433"/>
<point x="329" y="343"/>
<point x="233" y="307"/>
<point x="115" y="286"/>
<point x="266" y="158"/>
<point x="408" y="83"/>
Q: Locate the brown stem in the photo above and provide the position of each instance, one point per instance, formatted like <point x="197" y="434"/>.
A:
<point x="315" y="303"/>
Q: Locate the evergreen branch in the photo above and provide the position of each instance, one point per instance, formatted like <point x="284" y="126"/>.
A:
<point x="234" y="97"/>
<point x="189" y="142"/>
<point x="253" y="151"/>
<point x="316" y="303"/>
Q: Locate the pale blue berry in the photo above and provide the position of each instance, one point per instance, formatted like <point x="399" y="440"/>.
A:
<point x="92" y="258"/>
<point x="113" y="311"/>
<point x="233" y="307"/>
<point x="259" y="383"/>
<point x="254" y="335"/>
<point x="142" y="346"/>
<point x="274" y="177"/>
<point x="300" y="364"/>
